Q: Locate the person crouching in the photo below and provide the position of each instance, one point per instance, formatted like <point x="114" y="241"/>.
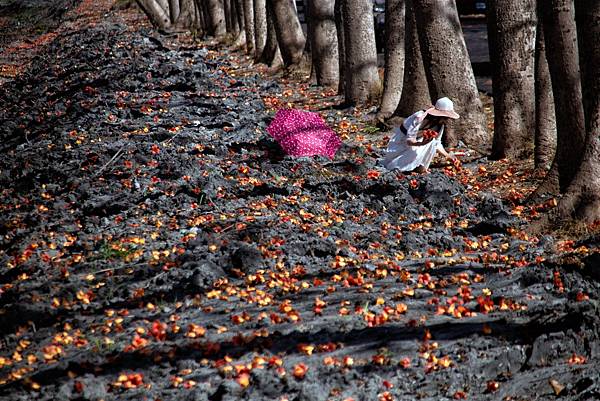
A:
<point x="419" y="138"/>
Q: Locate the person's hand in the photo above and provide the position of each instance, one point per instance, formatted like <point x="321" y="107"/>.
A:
<point x="455" y="160"/>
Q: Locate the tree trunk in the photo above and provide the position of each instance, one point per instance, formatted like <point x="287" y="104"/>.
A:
<point x="235" y="26"/>
<point x="249" y="24"/>
<point x="186" y="15"/>
<point x="582" y="200"/>
<point x="362" y="78"/>
<point x="324" y="42"/>
<point x="156" y="13"/>
<point x="260" y="27"/>
<point x="545" y="121"/>
<point x="228" y="15"/>
<point x="511" y="31"/>
<point x="174" y="10"/>
<point x="339" y="26"/>
<point x="587" y="14"/>
<point x="241" y="17"/>
<point x="216" y="15"/>
<point x="271" y="55"/>
<point x="289" y="32"/>
<point x="164" y="4"/>
<point x="415" y="91"/>
<point x="448" y="69"/>
<point x="240" y="40"/>
<point x="394" y="57"/>
<point x="198" y="19"/>
<point x="205" y="16"/>
<point x="562" y="54"/>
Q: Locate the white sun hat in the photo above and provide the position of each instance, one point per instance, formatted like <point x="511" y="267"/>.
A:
<point x="444" y="107"/>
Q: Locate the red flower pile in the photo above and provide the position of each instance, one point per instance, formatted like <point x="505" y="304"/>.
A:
<point x="429" y="134"/>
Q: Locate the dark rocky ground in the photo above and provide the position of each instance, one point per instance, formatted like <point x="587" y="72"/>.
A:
<point x="157" y="245"/>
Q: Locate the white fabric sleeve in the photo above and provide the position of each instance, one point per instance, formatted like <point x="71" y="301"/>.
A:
<point x="414" y="122"/>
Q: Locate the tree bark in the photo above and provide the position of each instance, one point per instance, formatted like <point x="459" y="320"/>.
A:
<point x="324" y="47"/>
<point x="216" y="15"/>
<point x="587" y="14"/>
<point x="511" y="32"/>
<point x="271" y="54"/>
<point x="235" y="26"/>
<point x="240" y="40"/>
<point x="205" y="16"/>
<point x="164" y="4"/>
<point x="394" y="57"/>
<point x="545" y="121"/>
<point x="289" y="32"/>
<point x="582" y="199"/>
<point x="156" y="13"/>
<point x="260" y="27"/>
<point x="339" y="26"/>
<point x="199" y="27"/>
<point x="449" y="71"/>
<point x="563" y="56"/>
<point x="362" y="78"/>
<point x="228" y="15"/>
<point x="174" y="10"/>
<point x="186" y="15"/>
<point x="415" y="90"/>
<point x="249" y="24"/>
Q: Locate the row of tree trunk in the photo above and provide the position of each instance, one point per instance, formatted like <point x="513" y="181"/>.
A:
<point x="544" y="58"/>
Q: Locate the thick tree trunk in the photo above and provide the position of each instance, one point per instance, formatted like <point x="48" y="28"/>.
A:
<point x="240" y="15"/>
<point x="545" y="121"/>
<point x="235" y="26"/>
<point x="448" y="69"/>
<point x="164" y="4"/>
<point x="203" y="9"/>
<point x="199" y="27"/>
<point x="582" y="200"/>
<point x="260" y="27"/>
<point x="271" y="54"/>
<point x="156" y="13"/>
<point x="563" y="56"/>
<point x="394" y="57"/>
<point x="186" y="15"/>
<point x="228" y="15"/>
<point x="587" y="14"/>
<point x="362" y="78"/>
<point x="249" y="24"/>
<point x="174" y="10"/>
<point x="415" y="91"/>
<point x="511" y="31"/>
<point x="240" y="40"/>
<point x="324" y="47"/>
<point x="339" y="26"/>
<point x="289" y="32"/>
<point x="216" y="15"/>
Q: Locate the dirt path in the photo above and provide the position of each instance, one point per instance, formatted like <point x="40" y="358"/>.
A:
<point x="156" y="244"/>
